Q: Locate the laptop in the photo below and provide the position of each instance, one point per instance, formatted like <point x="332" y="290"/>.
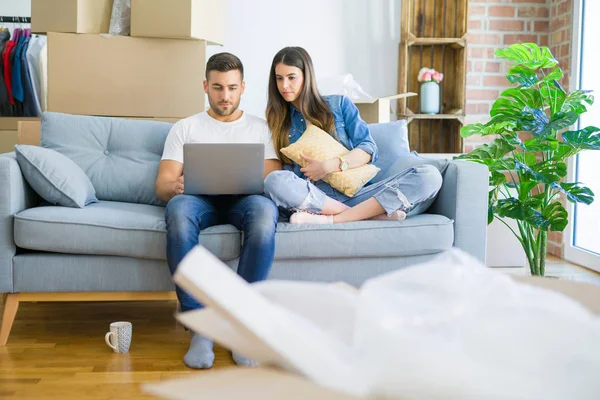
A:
<point x="223" y="168"/>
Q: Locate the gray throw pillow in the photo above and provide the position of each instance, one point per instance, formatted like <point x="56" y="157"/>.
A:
<point x="55" y="177"/>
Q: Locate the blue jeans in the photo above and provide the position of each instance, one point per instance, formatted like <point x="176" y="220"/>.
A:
<point x="412" y="191"/>
<point x="256" y="216"/>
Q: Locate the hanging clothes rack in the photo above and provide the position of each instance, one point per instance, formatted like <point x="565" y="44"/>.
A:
<point x="15" y="20"/>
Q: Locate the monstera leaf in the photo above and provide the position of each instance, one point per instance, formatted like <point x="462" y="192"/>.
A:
<point x="528" y="55"/>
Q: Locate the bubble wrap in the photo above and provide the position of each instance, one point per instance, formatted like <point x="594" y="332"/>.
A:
<point x="120" y="20"/>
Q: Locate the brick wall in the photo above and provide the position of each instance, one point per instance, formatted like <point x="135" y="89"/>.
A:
<point x="495" y="24"/>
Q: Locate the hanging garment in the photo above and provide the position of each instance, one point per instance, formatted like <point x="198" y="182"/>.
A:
<point x="29" y="102"/>
<point x="17" y="82"/>
<point x="7" y="69"/>
<point x="5" y="106"/>
<point x="33" y="60"/>
<point x="18" y="106"/>
<point x="44" y="76"/>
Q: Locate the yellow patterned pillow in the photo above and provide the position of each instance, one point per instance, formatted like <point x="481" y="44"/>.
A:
<point x="318" y="144"/>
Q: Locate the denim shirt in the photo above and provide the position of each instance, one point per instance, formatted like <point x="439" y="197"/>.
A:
<point x="351" y="130"/>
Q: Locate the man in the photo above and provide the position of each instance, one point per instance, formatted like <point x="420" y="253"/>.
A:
<point x="187" y="215"/>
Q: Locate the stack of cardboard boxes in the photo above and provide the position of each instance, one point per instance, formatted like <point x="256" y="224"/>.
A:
<point x="157" y="72"/>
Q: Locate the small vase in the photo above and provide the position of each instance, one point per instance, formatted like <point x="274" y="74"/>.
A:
<point x="430" y="98"/>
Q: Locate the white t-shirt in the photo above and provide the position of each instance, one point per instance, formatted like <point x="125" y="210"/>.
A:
<point x="202" y="128"/>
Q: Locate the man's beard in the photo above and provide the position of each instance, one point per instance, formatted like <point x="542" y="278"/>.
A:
<point x="219" y="111"/>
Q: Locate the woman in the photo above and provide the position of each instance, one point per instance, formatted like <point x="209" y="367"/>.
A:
<point x="294" y="102"/>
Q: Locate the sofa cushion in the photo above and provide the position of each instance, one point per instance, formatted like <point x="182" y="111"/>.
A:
<point x="111" y="228"/>
<point x="421" y="234"/>
<point x="55" y="177"/>
<point x="138" y="230"/>
<point x="119" y="156"/>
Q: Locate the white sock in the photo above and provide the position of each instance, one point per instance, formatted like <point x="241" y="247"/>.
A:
<point x="395" y="216"/>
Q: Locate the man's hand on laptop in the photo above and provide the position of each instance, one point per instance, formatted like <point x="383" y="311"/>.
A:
<point x="178" y="186"/>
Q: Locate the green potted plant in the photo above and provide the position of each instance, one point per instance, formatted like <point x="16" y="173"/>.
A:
<point x="527" y="159"/>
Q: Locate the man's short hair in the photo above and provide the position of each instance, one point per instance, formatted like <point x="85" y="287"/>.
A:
<point x="224" y="62"/>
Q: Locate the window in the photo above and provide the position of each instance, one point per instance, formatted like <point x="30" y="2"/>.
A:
<point x="582" y="239"/>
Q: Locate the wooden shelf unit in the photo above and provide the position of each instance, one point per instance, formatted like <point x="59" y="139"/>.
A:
<point x="454" y="42"/>
<point x="433" y="35"/>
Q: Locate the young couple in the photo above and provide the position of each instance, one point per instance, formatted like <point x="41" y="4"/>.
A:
<point x="294" y="102"/>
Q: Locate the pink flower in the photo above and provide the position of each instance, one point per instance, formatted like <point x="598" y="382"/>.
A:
<point x="429" y="74"/>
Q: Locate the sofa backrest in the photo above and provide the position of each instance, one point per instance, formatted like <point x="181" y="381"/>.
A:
<point x="119" y="156"/>
<point x="391" y="139"/>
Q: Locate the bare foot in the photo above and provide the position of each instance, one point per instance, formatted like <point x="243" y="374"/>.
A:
<point x="396" y="216"/>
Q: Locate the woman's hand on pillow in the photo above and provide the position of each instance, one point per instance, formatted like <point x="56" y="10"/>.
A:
<point x="316" y="170"/>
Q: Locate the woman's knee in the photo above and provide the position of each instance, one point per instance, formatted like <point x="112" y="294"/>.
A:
<point x="430" y="179"/>
<point x="276" y="181"/>
<point x="281" y="187"/>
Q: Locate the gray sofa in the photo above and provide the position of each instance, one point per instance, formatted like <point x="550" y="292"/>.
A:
<point x="118" y="244"/>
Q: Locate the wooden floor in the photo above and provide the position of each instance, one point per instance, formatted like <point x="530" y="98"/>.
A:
<point x="57" y="350"/>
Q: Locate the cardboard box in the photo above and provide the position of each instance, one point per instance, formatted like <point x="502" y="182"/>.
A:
<point x="181" y="19"/>
<point x="11" y="123"/>
<point x="71" y="16"/>
<point x="228" y="318"/>
<point x="8" y="132"/>
<point x="247" y="383"/>
<point x="378" y="110"/>
<point x="8" y="139"/>
<point x="124" y="76"/>
<point x="29" y="132"/>
<point x="273" y="384"/>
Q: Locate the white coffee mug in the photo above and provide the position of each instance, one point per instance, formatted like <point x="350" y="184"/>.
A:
<point x="119" y="337"/>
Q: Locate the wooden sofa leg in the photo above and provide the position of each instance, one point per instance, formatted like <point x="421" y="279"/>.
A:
<point x="11" y="305"/>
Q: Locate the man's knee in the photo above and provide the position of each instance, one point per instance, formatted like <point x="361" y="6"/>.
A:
<point x="178" y="213"/>
<point x="263" y="211"/>
<point x="175" y="207"/>
<point x="261" y="218"/>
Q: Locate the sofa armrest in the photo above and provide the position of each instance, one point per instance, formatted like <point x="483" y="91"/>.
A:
<point x="15" y="195"/>
<point x="464" y="198"/>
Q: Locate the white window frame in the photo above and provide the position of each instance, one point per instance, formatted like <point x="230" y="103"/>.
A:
<point x="574" y="254"/>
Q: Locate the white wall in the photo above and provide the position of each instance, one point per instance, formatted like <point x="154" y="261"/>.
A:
<point x="342" y="36"/>
<point x="15" y="8"/>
